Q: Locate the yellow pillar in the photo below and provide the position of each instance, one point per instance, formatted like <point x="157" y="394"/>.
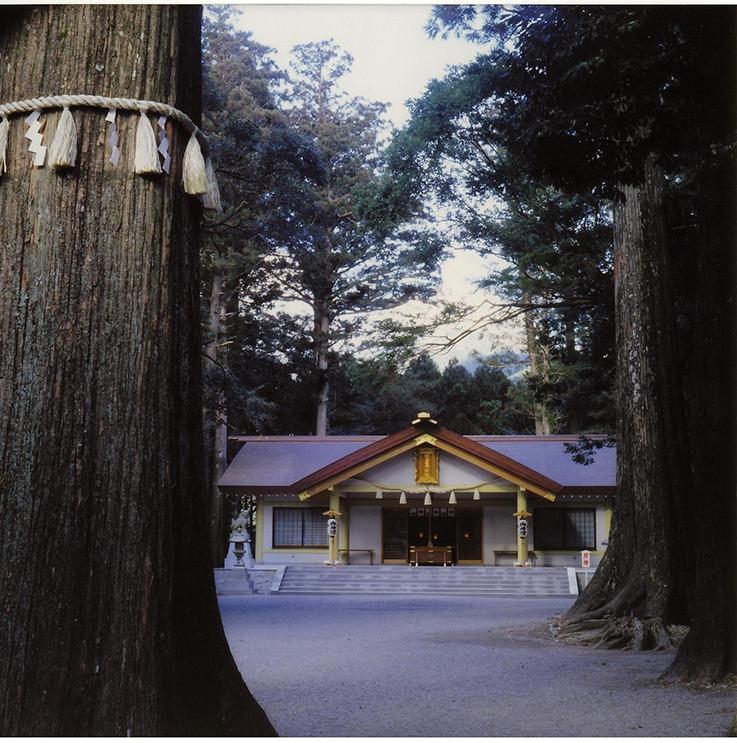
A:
<point x="522" y="513"/>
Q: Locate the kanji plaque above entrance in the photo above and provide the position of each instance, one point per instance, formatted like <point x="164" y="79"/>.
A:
<point x="427" y="465"/>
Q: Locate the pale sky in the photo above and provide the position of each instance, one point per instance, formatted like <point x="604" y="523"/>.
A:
<point x="394" y="60"/>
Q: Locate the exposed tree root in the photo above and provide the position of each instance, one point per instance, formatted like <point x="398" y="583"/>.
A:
<point x="615" y="632"/>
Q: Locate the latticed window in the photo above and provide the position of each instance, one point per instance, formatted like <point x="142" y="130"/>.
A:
<point x="299" y="527"/>
<point x="565" y="528"/>
<point x="394" y="537"/>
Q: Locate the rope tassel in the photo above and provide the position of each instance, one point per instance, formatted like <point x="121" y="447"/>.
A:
<point x="63" y="150"/>
<point x="4" y="129"/>
<point x="194" y="176"/>
<point x="147" y="153"/>
<point x="211" y="199"/>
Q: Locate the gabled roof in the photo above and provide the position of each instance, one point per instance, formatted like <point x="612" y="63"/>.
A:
<point x="413" y="436"/>
<point x="303" y="464"/>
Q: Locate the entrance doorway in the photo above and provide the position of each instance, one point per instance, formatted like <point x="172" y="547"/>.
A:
<point x="457" y="528"/>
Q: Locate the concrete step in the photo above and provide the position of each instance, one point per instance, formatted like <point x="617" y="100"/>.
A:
<point x="427" y="578"/>
<point x="560" y="591"/>
<point x="429" y="574"/>
<point x="423" y="570"/>
<point x="400" y="582"/>
<point x="233" y="583"/>
<point x="400" y="579"/>
<point x="382" y="590"/>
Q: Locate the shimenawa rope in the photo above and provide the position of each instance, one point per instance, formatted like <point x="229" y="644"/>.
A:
<point x="198" y="174"/>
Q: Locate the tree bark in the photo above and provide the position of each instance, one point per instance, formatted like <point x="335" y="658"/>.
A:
<point x="707" y="529"/>
<point x="108" y="619"/>
<point x="322" y="335"/>
<point x="216" y="422"/>
<point x="639" y="586"/>
<point x="540" y="411"/>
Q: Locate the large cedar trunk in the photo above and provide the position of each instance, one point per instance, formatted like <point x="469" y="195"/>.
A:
<point x="710" y="508"/>
<point x="639" y="587"/>
<point x="671" y="554"/>
<point x="673" y="549"/>
<point x="707" y="529"/>
<point x="108" y="619"/>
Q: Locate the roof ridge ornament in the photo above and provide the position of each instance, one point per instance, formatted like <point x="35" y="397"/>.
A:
<point x="424" y="417"/>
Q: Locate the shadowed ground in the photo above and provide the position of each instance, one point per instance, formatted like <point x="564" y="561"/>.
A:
<point x="438" y="666"/>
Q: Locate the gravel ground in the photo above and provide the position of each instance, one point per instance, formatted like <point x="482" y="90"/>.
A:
<point x="460" y="666"/>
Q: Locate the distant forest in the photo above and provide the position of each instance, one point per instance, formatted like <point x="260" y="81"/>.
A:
<point x="321" y="208"/>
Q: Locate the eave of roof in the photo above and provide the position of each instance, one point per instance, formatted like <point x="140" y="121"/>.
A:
<point x="500" y="460"/>
<point x="398" y="441"/>
<point x="372" y="450"/>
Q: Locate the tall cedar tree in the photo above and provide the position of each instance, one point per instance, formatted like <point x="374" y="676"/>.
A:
<point x="637" y="104"/>
<point x="108" y="619"/>
<point x="328" y="256"/>
<point x="556" y="247"/>
<point x="255" y="151"/>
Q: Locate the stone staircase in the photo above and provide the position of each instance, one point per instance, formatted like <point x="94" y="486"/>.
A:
<point x="233" y="582"/>
<point x="425" y="580"/>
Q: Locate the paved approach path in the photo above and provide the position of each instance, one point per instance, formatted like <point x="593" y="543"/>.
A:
<point x="440" y="666"/>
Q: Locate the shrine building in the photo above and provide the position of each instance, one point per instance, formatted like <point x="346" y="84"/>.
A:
<point x="424" y="495"/>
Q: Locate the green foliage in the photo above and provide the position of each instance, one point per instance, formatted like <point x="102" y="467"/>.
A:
<point x="580" y="97"/>
<point x="256" y="151"/>
<point x="327" y="255"/>
<point x="555" y="245"/>
<point x="376" y="397"/>
<point x="296" y="159"/>
<point x="588" y="93"/>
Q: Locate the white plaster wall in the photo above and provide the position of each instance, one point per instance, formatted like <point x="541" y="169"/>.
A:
<point x="500" y="533"/>
<point x="499" y="529"/>
<point x="265" y="531"/>
<point x="284" y="557"/>
<point x="601" y="535"/>
<point x="453" y="471"/>
<point x="365" y="533"/>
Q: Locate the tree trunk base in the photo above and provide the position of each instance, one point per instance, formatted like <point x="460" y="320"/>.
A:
<point x="617" y="632"/>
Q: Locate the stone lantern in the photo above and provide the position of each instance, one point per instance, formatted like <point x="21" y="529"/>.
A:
<point x="240" y="541"/>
